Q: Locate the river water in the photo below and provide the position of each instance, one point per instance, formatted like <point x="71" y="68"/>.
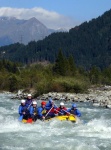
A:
<point x="92" y="133"/>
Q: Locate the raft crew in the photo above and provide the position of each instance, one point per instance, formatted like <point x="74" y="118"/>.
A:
<point x="73" y="110"/>
<point x="28" y="109"/>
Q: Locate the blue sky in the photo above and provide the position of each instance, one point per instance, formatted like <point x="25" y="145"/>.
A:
<point x="55" y="14"/>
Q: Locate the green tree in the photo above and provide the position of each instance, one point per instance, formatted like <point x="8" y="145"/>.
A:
<point x="13" y="83"/>
<point x="95" y="75"/>
<point x="72" y="65"/>
<point x="59" y="66"/>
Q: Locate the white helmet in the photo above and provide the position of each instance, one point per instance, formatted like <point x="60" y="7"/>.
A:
<point x="29" y="95"/>
<point x="34" y="102"/>
<point x="61" y="104"/>
<point x="22" y="101"/>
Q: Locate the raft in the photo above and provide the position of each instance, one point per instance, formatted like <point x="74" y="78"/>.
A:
<point x="60" y="118"/>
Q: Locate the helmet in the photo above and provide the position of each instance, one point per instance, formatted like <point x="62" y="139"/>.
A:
<point x="29" y="95"/>
<point x="61" y="104"/>
<point x="74" y="105"/>
<point x="43" y="103"/>
<point x="34" y="102"/>
<point x="22" y="101"/>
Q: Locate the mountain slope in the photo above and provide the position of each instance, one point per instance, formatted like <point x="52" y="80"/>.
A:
<point x="13" y="30"/>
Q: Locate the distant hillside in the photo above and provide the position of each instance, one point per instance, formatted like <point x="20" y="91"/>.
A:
<point x="89" y="44"/>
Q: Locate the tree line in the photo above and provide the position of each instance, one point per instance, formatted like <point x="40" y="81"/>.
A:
<point x="62" y="76"/>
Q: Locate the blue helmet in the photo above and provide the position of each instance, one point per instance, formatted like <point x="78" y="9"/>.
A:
<point x="74" y="105"/>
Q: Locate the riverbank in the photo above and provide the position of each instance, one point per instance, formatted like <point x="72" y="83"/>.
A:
<point x="98" y="96"/>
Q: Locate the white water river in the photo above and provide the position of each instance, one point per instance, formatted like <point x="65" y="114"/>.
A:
<point x="94" y="133"/>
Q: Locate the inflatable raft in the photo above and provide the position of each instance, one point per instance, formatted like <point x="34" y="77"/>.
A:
<point x="60" y="118"/>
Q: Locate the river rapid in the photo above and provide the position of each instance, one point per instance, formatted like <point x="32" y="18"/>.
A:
<point x="93" y="132"/>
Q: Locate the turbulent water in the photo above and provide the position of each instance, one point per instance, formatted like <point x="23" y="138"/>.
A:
<point x="92" y="133"/>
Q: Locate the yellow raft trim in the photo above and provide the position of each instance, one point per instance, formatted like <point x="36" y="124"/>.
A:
<point x="24" y="121"/>
<point x="64" y="118"/>
<point x="67" y="118"/>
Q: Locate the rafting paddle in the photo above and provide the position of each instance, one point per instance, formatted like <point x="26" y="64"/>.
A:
<point x="20" y="118"/>
<point x="48" y="113"/>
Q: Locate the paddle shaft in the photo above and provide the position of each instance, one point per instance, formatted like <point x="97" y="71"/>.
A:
<point x="49" y="111"/>
<point x="64" y="111"/>
<point x="59" y="112"/>
<point x="29" y="106"/>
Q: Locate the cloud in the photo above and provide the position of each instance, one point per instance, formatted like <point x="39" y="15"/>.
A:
<point x="49" y="18"/>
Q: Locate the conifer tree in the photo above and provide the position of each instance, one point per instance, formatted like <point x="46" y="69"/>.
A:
<point x="59" y="66"/>
<point x="72" y="65"/>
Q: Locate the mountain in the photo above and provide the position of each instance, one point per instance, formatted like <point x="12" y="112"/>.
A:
<point x="89" y="44"/>
<point x="13" y="30"/>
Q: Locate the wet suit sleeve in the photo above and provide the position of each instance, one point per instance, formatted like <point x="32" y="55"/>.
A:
<point x="40" y="112"/>
<point x="78" y="113"/>
<point x="20" y="110"/>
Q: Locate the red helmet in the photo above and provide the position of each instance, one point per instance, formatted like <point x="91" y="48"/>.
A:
<point x="43" y="103"/>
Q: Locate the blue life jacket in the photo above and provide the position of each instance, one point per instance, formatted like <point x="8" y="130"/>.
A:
<point x="22" y="108"/>
<point x="49" y="105"/>
<point x="28" y="102"/>
<point x="41" y="111"/>
<point x="76" y="112"/>
<point x="33" y="111"/>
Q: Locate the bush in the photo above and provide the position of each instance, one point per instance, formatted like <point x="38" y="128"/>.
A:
<point x="68" y="84"/>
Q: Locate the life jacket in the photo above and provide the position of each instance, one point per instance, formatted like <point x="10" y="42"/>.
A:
<point x="62" y="110"/>
<point x="44" y="111"/>
<point x="53" y="110"/>
<point x="75" y="112"/>
<point x="28" y="102"/>
<point x="22" y="108"/>
<point x="35" y="110"/>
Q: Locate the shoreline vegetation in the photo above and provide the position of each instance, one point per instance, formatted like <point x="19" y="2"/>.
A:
<point x="62" y="76"/>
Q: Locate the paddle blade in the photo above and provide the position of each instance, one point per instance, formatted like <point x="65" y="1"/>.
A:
<point x="20" y="118"/>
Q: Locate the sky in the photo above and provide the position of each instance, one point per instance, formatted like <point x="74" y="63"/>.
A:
<point x="55" y="14"/>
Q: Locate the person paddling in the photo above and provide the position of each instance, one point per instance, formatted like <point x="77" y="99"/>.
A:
<point x="23" y="110"/>
<point x="73" y="110"/>
<point x="50" y="106"/>
<point x="28" y="101"/>
<point x="41" y="111"/>
<point x="62" y="110"/>
<point x="33" y="111"/>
